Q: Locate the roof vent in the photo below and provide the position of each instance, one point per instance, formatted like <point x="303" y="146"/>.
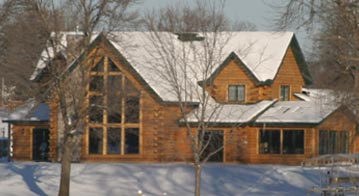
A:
<point x="305" y="92"/>
<point x="188" y="36"/>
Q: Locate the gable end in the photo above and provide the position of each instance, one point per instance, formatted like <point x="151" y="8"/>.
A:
<point x="231" y="56"/>
<point x="299" y="57"/>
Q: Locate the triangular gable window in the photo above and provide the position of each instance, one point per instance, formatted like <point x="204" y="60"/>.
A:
<point x="112" y="66"/>
<point x="99" y="66"/>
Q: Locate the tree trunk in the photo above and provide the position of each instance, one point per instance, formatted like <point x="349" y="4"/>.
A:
<point x="66" y="168"/>
<point x="198" y="170"/>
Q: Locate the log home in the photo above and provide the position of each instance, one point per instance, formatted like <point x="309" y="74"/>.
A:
<point x="266" y="115"/>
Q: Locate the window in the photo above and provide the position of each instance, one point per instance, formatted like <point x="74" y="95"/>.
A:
<point x="95" y="140"/>
<point x="114" y="98"/>
<point x="132" y="109"/>
<point x="131" y="141"/>
<point x="332" y="142"/>
<point x="284" y="93"/>
<point x="293" y="142"/>
<point x="114" y="105"/>
<point x="113" y="141"/>
<point x="213" y="140"/>
<point x="96" y="109"/>
<point x="236" y="93"/>
<point x="269" y="141"/>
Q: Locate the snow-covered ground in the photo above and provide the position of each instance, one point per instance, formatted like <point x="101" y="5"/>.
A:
<point x="30" y="178"/>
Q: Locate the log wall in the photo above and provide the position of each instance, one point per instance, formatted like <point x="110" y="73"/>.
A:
<point x="22" y="141"/>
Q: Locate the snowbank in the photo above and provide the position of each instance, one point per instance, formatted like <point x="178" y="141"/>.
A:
<point x="93" y="179"/>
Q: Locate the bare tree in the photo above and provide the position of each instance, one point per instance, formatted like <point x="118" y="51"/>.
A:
<point x="21" y="40"/>
<point x="335" y="24"/>
<point x="69" y="92"/>
<point x="187" y="43"/>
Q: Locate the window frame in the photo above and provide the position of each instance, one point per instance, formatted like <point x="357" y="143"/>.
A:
<point x="280" y="147"/>
<point x="333" y="141"/>
<point x="296" y="136"/>
<point x="109" y="73"/>
<point x="284" y="90"/>
<point x="214" y="139"/>
<point x="237" y="89"/>
<point x="269" y="145"/>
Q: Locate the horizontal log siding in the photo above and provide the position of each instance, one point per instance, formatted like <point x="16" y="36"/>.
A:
<point x="288" y="74"/>
<point x="341" y="120"/>
<point x="233" y="74"/>
<point x="22" y="141"/>
<point x="53" y="137"/>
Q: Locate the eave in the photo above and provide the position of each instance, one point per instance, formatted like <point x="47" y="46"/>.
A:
<point x="286" y="124"/>
<point x="26" y="122"/>
<point x="232" y="56"/>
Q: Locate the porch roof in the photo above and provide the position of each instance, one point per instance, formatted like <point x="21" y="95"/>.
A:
<point x="30" y="112"/>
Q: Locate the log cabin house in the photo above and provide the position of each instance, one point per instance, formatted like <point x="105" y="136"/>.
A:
<point x="266" y="115"/>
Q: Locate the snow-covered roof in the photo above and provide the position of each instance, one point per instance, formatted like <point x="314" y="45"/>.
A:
<point x="30" y="111"/>
<point x="296" y="112"/>
<point x="261" y="52"/>
<point x="57" y="43"/>
<point x="316" y="106"/>
<point x="320" y="96"/>
<point x="230" y="113"/>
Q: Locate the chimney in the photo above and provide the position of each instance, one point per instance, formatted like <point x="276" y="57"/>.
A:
<point x="74" y="42"/>
<point x="189" y="36"/>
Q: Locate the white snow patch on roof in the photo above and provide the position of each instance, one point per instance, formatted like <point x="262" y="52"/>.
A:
<point x="30" y="111"/>
<point x="261" y="52"/>
<point x="22" y="111"/>
<point x="296" y="112"/>
<point x="230" y="113"/>
<point x="320" y="96"/>
<point x="58" y="45"/>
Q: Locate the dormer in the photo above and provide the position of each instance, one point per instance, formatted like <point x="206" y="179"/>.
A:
<point x="270" y="67"/>
<point x="233" y="83"/>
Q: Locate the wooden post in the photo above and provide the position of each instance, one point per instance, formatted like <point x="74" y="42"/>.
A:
<point x="9" y="142"/>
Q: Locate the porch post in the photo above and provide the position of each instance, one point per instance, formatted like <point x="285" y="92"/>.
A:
<point x="9" y="142"/>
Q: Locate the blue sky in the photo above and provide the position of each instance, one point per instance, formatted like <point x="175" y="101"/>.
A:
<point x="254" y="11"/>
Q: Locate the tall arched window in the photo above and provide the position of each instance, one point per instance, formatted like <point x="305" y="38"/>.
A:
<point x="114" y="111"/>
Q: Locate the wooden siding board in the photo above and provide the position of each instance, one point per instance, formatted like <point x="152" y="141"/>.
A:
<point x="288" y="74"/>
<point x="232" y="74"/>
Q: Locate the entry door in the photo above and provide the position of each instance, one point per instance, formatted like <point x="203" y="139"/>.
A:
<point x="40" y="144"/>
<point x="216" y="142"/>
